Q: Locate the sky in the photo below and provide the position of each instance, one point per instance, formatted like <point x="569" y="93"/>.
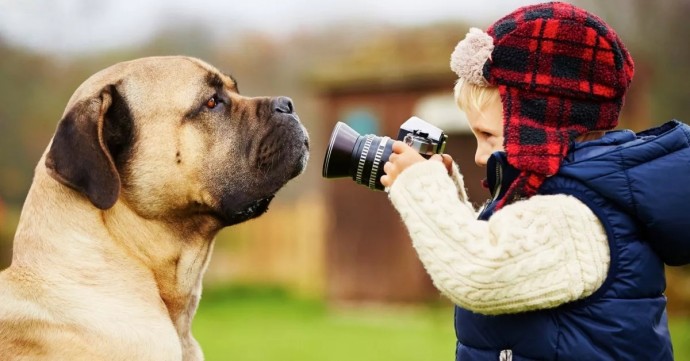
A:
<point x="66" y="26"/>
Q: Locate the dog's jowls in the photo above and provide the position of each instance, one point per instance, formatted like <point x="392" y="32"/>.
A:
<point x="151" y="159"/>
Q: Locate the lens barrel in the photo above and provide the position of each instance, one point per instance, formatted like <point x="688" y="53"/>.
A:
<point x="359" y="156"/>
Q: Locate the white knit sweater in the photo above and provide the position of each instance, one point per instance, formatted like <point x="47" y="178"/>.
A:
<point x="532" y="254"/>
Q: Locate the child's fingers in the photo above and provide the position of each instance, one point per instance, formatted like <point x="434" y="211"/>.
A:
<point x="437" y="157"/>
<point x="399" y="147"/>
<point x="385" y="181"/>
<point x="388" y="167"/>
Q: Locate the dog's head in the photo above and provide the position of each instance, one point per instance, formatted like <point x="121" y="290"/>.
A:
<point x="172" y="136"/>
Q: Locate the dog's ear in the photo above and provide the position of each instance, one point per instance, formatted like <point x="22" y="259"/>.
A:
<point x="81" y="156"/>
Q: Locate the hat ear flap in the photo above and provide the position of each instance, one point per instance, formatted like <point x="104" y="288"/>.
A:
<point x="79" y="157"/>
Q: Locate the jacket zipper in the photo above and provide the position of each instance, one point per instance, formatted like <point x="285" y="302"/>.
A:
<point x="499" y="180"/>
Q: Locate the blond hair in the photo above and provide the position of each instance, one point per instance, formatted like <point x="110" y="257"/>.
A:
<point x="468" y="95"/>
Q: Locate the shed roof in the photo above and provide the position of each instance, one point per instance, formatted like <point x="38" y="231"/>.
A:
<point x="407" y="57"/>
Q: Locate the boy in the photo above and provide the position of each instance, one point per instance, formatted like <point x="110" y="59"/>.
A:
<point x="567" y="260"/>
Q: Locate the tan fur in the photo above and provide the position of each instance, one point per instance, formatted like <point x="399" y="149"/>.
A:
<point x="124" y="282"/>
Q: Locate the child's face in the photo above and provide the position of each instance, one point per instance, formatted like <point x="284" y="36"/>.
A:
<point x="487" y="126"/>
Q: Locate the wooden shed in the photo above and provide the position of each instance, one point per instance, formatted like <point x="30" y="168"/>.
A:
<point x="369" y="255"/>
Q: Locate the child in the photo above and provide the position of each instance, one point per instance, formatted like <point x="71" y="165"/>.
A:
<point x="567" y="260"/>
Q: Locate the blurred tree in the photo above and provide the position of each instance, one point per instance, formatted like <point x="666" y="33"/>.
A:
<point x="23" y="92"/>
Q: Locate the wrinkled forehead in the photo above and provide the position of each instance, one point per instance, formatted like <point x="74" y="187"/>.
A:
<point x="180" y="84"/>
<point x="175" y="81"/>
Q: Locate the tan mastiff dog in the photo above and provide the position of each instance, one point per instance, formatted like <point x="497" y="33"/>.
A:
<point x="151" y="159"/>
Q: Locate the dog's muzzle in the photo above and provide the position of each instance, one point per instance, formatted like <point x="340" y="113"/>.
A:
<point x="276" y="152"/>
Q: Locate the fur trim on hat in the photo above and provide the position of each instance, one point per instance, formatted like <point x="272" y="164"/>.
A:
<point x="470" y="55"/>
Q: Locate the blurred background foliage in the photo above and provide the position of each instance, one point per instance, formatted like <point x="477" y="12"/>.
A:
<point x="283" y="252"/>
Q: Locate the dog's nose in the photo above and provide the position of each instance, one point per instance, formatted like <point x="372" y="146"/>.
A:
<point x="283" y="105"/>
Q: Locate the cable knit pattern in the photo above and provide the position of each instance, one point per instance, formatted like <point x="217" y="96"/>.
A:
<point x="533" y="254"/>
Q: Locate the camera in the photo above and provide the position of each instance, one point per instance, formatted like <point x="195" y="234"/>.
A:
<point x="362" y="156"/>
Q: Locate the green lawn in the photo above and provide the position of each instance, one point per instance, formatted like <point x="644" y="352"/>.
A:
<point x="680" y="332"/>
<point x="251" y="325"/>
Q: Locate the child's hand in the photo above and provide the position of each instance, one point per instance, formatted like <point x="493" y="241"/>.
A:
<point x="446" y="159"/>
<point x="404" y="156"/>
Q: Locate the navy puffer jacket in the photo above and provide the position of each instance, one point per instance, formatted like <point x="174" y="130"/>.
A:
<point x="638" y="185"/>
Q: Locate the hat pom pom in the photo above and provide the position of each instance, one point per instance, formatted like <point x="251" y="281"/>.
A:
<point x="470" y="55"/>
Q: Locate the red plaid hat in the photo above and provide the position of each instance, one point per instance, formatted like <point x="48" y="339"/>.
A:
<point x="561" y="72"/>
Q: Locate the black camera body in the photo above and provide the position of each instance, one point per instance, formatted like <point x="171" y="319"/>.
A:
<point x="362" y="156"/>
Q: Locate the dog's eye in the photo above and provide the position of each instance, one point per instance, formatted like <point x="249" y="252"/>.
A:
<point x="212" y="102"/>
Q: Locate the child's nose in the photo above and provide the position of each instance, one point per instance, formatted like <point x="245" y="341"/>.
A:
<point x="481" y="157"/>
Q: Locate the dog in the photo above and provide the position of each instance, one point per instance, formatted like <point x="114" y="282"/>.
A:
<point x="151" y="158"/>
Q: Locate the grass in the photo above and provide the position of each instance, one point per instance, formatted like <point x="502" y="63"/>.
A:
<point x="257" y="325"/>
<point x="680" y="332"/>
<point x="232" y="325"/>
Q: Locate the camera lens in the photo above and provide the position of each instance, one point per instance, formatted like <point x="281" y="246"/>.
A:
<point x="358" y="156"/>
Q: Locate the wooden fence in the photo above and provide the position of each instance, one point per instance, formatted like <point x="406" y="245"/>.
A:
<point x="284" y="247"/>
